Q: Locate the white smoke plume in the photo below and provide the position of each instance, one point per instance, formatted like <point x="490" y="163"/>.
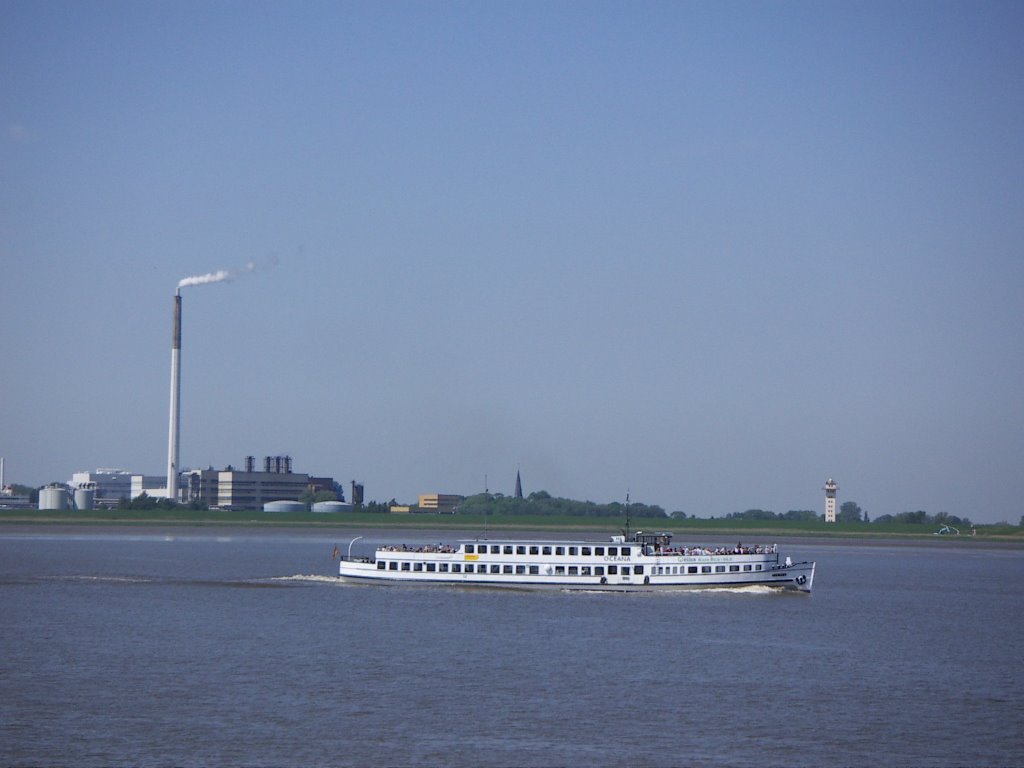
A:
<point x="215" y="277"/>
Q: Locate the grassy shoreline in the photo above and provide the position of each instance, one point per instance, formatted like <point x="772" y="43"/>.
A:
<point x="359" y="520"/>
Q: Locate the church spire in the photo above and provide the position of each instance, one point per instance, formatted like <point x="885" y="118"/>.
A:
<point x="519" y="486"/>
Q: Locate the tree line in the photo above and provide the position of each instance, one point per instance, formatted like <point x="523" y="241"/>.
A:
<point x="543" y="503"/>
<point x="850" y="512"/>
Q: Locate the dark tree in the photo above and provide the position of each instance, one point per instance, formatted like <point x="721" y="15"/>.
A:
<point x="849" y="512"/>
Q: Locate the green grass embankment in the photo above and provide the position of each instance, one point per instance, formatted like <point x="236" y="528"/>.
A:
<point x="728" y="528"/>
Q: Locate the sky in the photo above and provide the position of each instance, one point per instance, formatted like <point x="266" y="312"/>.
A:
<point x="708" y="254"/>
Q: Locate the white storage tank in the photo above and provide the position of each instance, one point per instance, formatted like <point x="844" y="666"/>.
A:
<point x="284" y="506"/>
<point x="53" y="497"/>
<point x="332" y="506"/>
<point x="85" y="498"/>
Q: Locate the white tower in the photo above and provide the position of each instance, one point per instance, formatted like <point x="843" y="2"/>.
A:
<point x="175" y="419"/>
<point x="830" y="500"/>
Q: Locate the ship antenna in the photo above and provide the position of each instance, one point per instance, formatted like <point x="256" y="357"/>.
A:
<point x="626" y="531"/>
<point x="487" y="504"/>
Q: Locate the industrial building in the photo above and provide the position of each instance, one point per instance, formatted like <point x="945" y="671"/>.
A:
<point x="11" y="500"/>
<point x="8" y="498"/>
<point x="249" y="489"/>
<point x="111" y="485"/>
<point x="151" y="485"/>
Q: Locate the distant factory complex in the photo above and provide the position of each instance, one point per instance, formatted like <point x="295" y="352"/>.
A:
<point x="227" y="489"/>
<point x="273" y="486"/>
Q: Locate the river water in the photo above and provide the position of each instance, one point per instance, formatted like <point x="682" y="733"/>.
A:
<point x="237" y="647"/>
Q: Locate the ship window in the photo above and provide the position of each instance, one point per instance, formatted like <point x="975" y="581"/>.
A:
<point x="534" y="550"/>
<point x="508" y="549"/>
<point x="534" y="570"/>
<point x="746" y="567"/>
<point x="443" y="567"/>
<point x="705" y="569"/>
<point x="638" y="569"/>
<point x="469" y="567"/>
<point x="585" y="570"/>
<point x="431" y="567"/>
<point x="417" y="566"/>
<point x="497" y="568"/>
<point x="626" y="551"/>
<point x="381" y="565"/>
<point x="559" y="570"/>
<point x="495" y="549"/>
<point x="585" y="551"/>
<point x="612" y="570"/>
<point x="757" y="567"/>
<point x="405" y="567"/>
<point x="719" y="569"/>
<point x="520" y="550"/>
<point x="613" y="551"/>
<point x="456" y="567"/>
<point x="392" y="566"/>
<point x="692" y="569"/>
<point x="598" y="550"/>
<point x="507" y="569"/>
<point x="547" y="550"/>
<point x="574" y="550"/>
<point x="733" y="568"/>
<point x="599" y="570"/>
<point x="559" y="550"/>
<point x="574" y="571"/>
<point x="469" y="549"/>
<point x="520" y="569"/>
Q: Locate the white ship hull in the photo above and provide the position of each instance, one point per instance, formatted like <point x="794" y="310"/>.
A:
<point x="578" y="565"/>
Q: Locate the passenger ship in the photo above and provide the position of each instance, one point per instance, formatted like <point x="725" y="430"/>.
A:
<point x="642" y="562"/>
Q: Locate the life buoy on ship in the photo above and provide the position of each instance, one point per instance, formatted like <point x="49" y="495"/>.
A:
<point x="801" y="580"/>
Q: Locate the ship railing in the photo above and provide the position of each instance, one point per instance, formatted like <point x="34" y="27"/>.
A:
<point x="444" y="549"/>
<point x="757" y="549"/>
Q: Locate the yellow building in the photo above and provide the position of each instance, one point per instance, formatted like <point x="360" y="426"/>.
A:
<point x="441" y="503"/>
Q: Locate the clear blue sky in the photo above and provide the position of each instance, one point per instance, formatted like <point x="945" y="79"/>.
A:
<point x="710" y="252"/>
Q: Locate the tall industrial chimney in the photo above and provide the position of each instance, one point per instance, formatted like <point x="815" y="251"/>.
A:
<point x="172" y="436"/>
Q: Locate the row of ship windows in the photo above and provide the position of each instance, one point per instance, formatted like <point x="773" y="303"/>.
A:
<point x="533" y="570"/>
<point x="559" y="570"/>
<point x="521" y="549"/>
<point x="672" y="570"/>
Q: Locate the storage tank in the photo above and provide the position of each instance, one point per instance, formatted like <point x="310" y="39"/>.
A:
<point x="85" y="498"/>
<point x="332" y="506"/>
<point x="284" y="506"/>
<point x="53" y="497"/>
